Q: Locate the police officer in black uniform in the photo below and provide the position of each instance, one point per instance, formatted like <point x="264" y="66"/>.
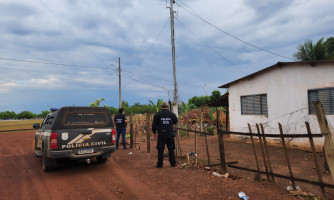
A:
<point x="163" y="123"/>
<point x="121" y="121"/>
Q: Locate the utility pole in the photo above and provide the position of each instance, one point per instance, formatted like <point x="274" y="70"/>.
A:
<point x="175" y="110"/>
<point x="205" y="90"/>
<point x="119" y="82"/>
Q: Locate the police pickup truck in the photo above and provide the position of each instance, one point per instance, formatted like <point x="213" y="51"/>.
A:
<point x="77" y="133"/>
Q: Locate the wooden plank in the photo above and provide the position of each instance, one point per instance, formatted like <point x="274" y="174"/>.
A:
<point x="287" y="157"/>
<point x="131" y="131"/>
<point x="148" y="133"/>
<point x="267" y="153"/>
<point x="315" y="158"/>
<point x="328" y="144"/>
<point x="254" y="151"/>
<point x="262" y="152"/>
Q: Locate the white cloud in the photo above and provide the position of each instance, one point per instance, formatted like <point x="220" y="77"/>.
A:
<point x="96" y="33"/>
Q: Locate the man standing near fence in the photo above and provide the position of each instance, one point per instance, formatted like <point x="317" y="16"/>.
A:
<point x="121" y="121"/>
<point x="163" y="124"/>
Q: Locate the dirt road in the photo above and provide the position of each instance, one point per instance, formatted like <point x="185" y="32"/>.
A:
<point x="125" y="176"/>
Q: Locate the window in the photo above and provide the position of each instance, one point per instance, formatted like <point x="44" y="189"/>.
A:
<point x="254" y="105"/>
<point x="85" y="118"/>
<point x="326" y="98"/>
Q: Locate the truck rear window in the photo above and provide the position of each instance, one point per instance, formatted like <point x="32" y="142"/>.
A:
<point x="85" y="118"/>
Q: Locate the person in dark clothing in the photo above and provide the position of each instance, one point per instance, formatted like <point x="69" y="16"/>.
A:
<point x="163" y="124"/>
<point x="120" y="121"/>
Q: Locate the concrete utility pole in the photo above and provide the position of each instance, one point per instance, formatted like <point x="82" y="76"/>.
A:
<point x="119" y="82"/>
<point x="175" y="110"/>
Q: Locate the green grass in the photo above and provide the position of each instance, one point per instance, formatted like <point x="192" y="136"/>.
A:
<point x="18" y="124"/>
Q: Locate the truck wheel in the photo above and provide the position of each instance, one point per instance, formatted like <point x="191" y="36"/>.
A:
<point x="101" y="159"/>
<point x="49" y="164"/>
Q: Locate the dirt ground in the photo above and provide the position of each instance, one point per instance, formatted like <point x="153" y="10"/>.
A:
<point x="128" y="174"/>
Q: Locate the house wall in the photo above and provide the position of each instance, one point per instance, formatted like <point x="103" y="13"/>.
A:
<point x="286" y="88"/>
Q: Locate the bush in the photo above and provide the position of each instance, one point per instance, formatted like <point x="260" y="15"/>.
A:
<point x="209" y="130"/>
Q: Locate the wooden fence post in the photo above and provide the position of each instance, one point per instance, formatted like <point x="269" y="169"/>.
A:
<point x="328" y="145"/>
<point x="131" y="131"/>
<point x="188" y="124"/>
<point x="254" y="151"/>
<point x="195" y="139"/>
<point x="148" y="133"/>
<point x="221" y="148"/>
<point x="315" y="158"/>
<point x="287" y="157"/>
<point x="262" y="152"/>
<point x="207" y="147"/>
<point x="267" y="153"/>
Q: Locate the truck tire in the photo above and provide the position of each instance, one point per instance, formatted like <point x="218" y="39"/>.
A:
<point x="101" y="159"/>
<point x="48" y="164"/>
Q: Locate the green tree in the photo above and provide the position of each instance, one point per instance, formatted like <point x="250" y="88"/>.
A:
<point x="43" y="114"/>
<point x="26" y="115"/>
<point x="313" y="52"/>
<point x="330" y="46"/>
<point x="111" y="109"/>
<point x="184" y="108"/>
<point x="156" y="106"/>
<point x="8" y="115"/>
<point x="96" y="103"/>
<point x="199" y="101"/>
<point x="215" y="95"/>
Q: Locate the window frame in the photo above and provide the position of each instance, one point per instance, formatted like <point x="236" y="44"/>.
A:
<point x="261" y="104"/>
<point x="311" y="110"/>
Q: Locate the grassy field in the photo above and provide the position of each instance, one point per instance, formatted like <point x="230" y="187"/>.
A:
<point x="18" y="124"/>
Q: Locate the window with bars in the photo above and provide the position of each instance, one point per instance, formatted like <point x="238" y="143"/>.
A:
<point x="254" y="105"/>
<point x="326" y="98"/>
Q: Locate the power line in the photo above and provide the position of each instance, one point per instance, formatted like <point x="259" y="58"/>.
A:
<point x="69" y="29"/>
<point x="50" y="63"/>
<point x="188" y="9"/>
<point x="219" y="54"/>
<point x="156" y="38"/>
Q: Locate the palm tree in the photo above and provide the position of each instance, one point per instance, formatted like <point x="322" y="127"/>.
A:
<point x="156" y="106"/>
<point x="96" y="103"/>
<point x="310" y="52"/>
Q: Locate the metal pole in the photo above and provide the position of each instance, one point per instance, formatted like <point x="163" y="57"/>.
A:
<point x="173" y="55"/>
<point x="119" y="82"/>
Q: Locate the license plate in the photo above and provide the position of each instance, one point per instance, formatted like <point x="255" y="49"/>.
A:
<point x="86" y="151"/>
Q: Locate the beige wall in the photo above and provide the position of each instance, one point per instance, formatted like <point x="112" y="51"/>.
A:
<point x="286" y="88"/>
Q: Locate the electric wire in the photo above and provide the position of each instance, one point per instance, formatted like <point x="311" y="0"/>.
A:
<point x="50" y="63"/>
<point x="214" y="50"/>
<point x="69" y="29"/>
<point x="156" y="39"/>
<point x="192" y="12"/>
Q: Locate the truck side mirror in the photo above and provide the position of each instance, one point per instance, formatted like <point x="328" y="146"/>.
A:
<point x="36" y="126"/>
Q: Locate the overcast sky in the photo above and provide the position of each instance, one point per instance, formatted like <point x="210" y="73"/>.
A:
<point x="216" y="42"/>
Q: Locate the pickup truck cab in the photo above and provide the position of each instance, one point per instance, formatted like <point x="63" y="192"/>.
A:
<point x="76" y="133"/>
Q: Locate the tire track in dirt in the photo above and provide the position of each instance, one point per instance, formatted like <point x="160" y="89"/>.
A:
<point x="136" y="187"/>
<point x="143" y="176"/>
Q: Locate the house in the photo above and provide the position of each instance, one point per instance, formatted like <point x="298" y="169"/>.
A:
<point x="282" y="93"/>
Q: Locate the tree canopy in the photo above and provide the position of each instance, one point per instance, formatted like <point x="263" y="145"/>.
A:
<point x="321" y="50"/>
